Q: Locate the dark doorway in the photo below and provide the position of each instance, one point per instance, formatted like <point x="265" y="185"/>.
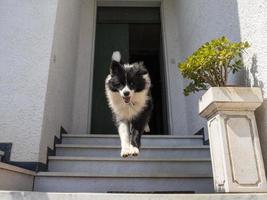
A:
<point x="136" y="32"/>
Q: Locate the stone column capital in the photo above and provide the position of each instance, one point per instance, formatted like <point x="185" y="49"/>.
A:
<point x="229" y="98"/>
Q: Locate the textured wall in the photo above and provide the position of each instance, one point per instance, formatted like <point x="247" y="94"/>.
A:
<point x="253" y="23"/>
<point x="26" y="34"/>
<point x="200" y="21"/>
<point x="61" y="82"/>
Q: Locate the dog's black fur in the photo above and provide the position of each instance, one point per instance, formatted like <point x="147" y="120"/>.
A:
<point x="139" y="123"/>
<point x="134" y="108"/>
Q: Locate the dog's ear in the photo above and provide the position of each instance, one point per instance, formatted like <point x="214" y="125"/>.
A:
<point x="116" y="64"/>
<point x="115" y="68"/>
<point x="141" y="69"/>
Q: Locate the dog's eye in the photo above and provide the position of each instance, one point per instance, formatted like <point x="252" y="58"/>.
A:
<point x="131" y="84"/>
<point x="117" y="84"/>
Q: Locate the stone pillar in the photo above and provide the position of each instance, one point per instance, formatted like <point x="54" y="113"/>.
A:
<point x="236" y="155"/>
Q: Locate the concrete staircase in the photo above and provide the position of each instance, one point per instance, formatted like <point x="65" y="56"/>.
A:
<point x="91" y="163"/>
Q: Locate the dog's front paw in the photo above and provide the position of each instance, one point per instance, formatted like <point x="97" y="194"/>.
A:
<point x="147" y="129"/>
<point x="134" y="151"/>
<point x="125" y="152"/>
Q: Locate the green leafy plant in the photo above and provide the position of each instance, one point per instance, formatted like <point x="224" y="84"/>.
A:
<point x="211" y="64"/>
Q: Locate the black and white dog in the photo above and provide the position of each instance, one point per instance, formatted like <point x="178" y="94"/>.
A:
<point x="128" y="94"/>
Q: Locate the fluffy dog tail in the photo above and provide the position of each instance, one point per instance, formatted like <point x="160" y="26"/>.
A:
<point x="116" y="56"/>
<point x="116" y="63"/>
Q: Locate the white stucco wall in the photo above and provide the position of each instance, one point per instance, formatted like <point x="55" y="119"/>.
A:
<point x="61" y="82"/>
<point x="26" y="34"/>
<point x="174" y="80"/>
<point x="84" y="70"/>
<point x="253" y="26"/>
<point x="199" y="22"/>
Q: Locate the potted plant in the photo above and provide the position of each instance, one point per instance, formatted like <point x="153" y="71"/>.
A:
<point x="237" y="162"/>
<point x="211" y="64"/>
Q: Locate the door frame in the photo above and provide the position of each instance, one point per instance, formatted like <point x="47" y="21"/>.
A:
<point x="170" y="57"/>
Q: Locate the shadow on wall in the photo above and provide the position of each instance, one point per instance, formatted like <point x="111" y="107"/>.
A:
<point x="252" y="75"/>
<point x="253" y="71"/>
<point x="199" y="22"/>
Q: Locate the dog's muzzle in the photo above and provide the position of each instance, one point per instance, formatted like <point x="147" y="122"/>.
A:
<point x="126" y="99"/>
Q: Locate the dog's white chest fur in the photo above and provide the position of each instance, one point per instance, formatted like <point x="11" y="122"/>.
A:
<point x="122" y="110"/>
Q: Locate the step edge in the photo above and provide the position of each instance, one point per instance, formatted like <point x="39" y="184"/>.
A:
<point x="88" y="175"/>
<point x="84" y="146"/>
<point x="144" y="136"/>
<point x="83" y="158"/>
<point x="92" y="195"/>
<point x="15" y="169"/>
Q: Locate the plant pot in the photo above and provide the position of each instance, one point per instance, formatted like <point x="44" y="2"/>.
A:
<point x="237" y="162"/>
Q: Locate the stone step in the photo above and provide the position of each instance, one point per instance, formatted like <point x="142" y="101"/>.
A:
<point x="12" y="195"/>
<point x="145" y="152"/>
<point x="84" y="182"/>
<point x="130" y="166"/>
<point x="147" y="140"/>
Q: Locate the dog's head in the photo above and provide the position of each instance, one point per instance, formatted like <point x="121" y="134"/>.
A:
<point x="127" y="79"/>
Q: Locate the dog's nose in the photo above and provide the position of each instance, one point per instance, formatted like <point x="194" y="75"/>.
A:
<point x="126" y="93"/>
